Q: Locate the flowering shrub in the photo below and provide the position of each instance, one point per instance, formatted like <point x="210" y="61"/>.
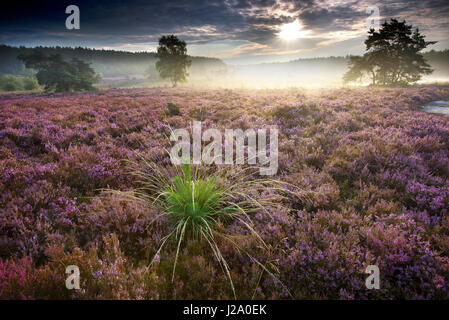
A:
<point x="367" y="173"/>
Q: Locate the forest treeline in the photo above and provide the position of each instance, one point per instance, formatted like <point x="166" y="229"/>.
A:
<point x="438" y="60"/>
<point x="109" y="63"/>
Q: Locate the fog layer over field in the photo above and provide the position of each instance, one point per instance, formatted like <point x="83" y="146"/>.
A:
<point x="127" y="69"/>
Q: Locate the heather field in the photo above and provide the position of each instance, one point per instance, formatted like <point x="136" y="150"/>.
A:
<point x="367" y="173"/>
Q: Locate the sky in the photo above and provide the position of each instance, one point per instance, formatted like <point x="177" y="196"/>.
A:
<point x="236" y="31"/>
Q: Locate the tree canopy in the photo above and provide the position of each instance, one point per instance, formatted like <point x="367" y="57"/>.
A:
<point x="172" y="61"/>
<point x="56" y="74"/>
<point x="392" y="56"/>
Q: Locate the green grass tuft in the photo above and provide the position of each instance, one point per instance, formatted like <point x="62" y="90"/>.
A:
<point x="198" y="203"/>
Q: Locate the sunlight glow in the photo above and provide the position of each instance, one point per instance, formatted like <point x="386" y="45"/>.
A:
<point x="292" y="31"/>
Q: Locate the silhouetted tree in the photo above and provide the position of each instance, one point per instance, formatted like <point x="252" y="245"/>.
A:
<point x="172" y="59"/>
<point x="392" y="56"/>
<point x="58" y="75"/>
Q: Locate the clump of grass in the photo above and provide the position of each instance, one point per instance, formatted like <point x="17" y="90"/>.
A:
<point x="194" y="204"/>
<point x="198" y="203"/>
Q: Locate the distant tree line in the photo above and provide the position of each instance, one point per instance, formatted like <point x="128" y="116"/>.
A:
<point x="109" y="63"/>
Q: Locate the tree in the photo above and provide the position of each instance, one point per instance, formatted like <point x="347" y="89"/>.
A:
<point x="83" y="75"/>
<point x="172" y="59"/>
<point x="392" y="56"/>
<point x="30" y="83"/>
<point x="59" y="75"/>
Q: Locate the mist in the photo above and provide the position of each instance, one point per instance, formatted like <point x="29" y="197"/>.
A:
<point x="137" y="69"/>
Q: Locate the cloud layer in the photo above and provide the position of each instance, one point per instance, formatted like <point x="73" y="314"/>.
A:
<point x="238" y="30"/>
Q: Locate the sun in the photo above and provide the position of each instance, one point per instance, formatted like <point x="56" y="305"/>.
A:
<point x="291" y="31"/>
